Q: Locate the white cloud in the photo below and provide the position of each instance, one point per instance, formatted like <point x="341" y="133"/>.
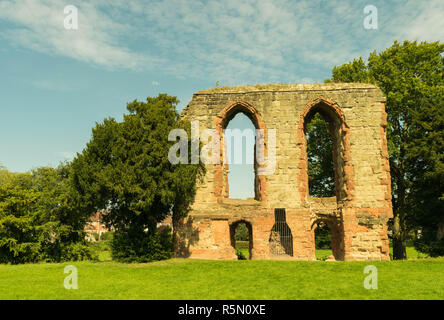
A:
<point x="50" y="85"/>
<point x="428" y="25"/>
<point x="226" y="41"/>
<point x="39" y="26"/>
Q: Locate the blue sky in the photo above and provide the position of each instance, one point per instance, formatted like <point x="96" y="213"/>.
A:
<point x="56" y="83"/>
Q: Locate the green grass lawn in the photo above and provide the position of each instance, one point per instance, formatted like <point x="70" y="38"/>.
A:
<point x="243" y="246"/>
<point x="323" y="254"/>
<point x="199" y="279"/>
<point x="188" y="279"/>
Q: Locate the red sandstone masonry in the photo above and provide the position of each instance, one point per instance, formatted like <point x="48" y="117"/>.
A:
<point x="357" y="216"/>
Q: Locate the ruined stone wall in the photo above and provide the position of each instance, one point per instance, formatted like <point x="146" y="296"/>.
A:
<point x="357" y="215"/>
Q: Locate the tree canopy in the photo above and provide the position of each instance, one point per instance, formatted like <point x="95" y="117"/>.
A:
<point x="40" y="217"/>
<point x="125" y="170"/>
<point x="320" y="158"/>
<point x="411" y="77"/>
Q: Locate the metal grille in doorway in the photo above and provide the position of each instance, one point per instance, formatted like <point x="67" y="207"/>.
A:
<point x="281" y="239"/>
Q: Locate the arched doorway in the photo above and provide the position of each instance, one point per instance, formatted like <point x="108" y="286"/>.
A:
<point x="241" y="236"/>
<point x="328" y="239"/>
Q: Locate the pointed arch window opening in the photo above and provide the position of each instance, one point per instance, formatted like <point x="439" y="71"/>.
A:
<point x="330" y="112"/>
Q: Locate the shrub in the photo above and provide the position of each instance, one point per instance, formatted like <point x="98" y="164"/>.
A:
<point x="106" y="236"/>
<point x="240" y="255"/>
<point x="15" y="253"/>
<point x="130" y="246"/>
<point x="322" y="237"/>
<point x="77" y="252"/>
<point x="434" y="248"/>
<point x="74" y="251"/>
<point x="243" y="245"/>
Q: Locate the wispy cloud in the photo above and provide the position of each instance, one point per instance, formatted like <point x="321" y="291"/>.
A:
<point x="38" y="25"/>
<point x="428" y="25"/>
<point x="50" y="85"/>
<point x="228" y="41"/>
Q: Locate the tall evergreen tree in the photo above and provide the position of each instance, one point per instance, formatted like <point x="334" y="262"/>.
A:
<point x="125" y="169"/>
<point x="41" y="217"/>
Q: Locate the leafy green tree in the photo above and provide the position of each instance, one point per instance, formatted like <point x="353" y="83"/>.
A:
<point x="242" y="233"/>
<point x="322" y="236"/>
<point x="5" y="175"/>
<point x="411" y="77"/>
<point x="60" y="216"/>
<point x="355" y="71"/>
<point x="40" y="217"/>
<point x="125" y="169"/>
<point x="18" y="204"/>
<point x="426" y="188"/>
<point x="320" y="158"/>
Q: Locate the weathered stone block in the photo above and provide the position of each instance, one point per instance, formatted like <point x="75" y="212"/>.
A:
<point x="356" y="216"/>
